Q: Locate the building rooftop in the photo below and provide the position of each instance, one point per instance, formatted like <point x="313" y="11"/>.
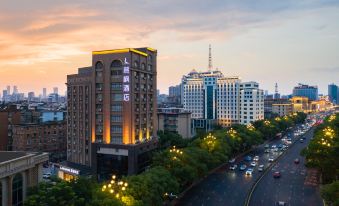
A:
<point x="7" y="156"/>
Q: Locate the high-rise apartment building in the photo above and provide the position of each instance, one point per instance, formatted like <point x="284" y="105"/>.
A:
<point x="333" y="93"/>
<point x="174" y="95"/>
<point x="79" y="94"/>
<point x="210" y="95"/>
<point x="8" y="90"/>
<point x="251" y="102"/>
<point x="15" y="89"/>
<point x="44" y="93"/>
<point x="55" y="90"/>
<point x="112" y="127"/>
<point x="303" y="90"/>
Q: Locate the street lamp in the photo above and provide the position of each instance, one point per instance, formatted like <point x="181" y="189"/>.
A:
<point x="277" y="119"/>
<point x="232" y="132"/>
<point x="328" y="132"/>
<point x="266" y="122"/>
<point x="250" y="127"/>
<point x="115" y="187"/>
<point x="332" y="117"/>
<point x="174" y="151"/>
<point x="210" y="141"/>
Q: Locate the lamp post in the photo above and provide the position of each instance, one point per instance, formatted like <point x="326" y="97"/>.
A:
<point x="175" y="153"/>
<point x="232" y="132"/>
<point x="115" y="187"/>
<point x="250" y="127"/>
<point x="210" y="141"/>
<point x="267" y="123"/>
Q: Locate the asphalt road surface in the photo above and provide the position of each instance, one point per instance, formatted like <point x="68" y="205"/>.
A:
<point x="297" y="186"/>
<point x="225" y="187"/>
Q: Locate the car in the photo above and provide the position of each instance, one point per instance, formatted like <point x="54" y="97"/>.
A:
<point x="277" y="174"/>
<point x="242" y="167"/>
<point x="281" y="203"/>
<point x="248" y="158"/>
<point x="296" y="161"/>
<point x="231" y="161"/>
<point x="46" y="175"/>
<point x="267" y="146"/>
<point x="301" y="140"/>
<point x="280" y="145"/>
<point x="274" y="146"/>
<point x="267" y="150"/>
<point x="275" y="150"/>
<point x="233" y="167"/>
<point x="256" y="158"/>
<point x="253" y="164"/>
<point x="171" y="196"/>
<point x="261" y="168"/>
<point x="270" y="159"/>
<point x="249" y="171"/>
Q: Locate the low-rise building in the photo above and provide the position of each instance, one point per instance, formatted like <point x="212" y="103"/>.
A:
<point x="47" y="137"/>
<point x="300" y="104"/>
<point x="18" y="171"/>
<point x="282" y="109"/>
<point x="9" y="115"/>
<point x="175" y="120"/>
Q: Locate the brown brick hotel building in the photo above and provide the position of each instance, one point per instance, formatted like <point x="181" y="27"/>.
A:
<point x="111" y="123"/>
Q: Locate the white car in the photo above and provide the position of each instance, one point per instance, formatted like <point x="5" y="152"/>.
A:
<point x="270" y="159"/>
<point x="233" y="167"/>
<point x="273" y="146"/>
<point x="253" y="164"/>
<point x="231" y="161"/>
<point x="46" y="175"/>
<point x="249" y="171"/>
<point x="256" y="158"/>
<point x="261" y="168"/>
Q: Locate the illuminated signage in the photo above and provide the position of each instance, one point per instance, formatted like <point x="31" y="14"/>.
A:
<point x="126" y="97"/>
<point x="126" y="88"/>
<point x="69" y="170"/>
<point x="126" y="80"/>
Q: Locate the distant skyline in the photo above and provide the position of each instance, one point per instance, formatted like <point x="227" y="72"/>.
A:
<point x="287" y="42"/>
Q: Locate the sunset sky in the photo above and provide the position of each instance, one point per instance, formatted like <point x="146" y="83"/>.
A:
<point x="283" y="41"/>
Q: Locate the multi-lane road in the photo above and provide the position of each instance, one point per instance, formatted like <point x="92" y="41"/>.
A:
<point x="294" y="186"/>
<point x="226" y="187"/>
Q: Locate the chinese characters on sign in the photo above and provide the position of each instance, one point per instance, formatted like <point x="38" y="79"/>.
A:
<point x="126" y="81"/>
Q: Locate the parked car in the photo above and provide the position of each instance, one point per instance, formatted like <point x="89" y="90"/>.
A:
<point x="267" y="146"/>
<point x="256" y="158"/>
<point x="296" y="161"/>
<point x="270" y="159"/>
<point x="253" y="164"/>
<point x="267" y="150"/>
<point x="232" y="161"/>
<point x="46" y="175"/>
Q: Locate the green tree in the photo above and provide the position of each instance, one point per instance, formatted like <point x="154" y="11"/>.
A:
<point x="330" y="193"/>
